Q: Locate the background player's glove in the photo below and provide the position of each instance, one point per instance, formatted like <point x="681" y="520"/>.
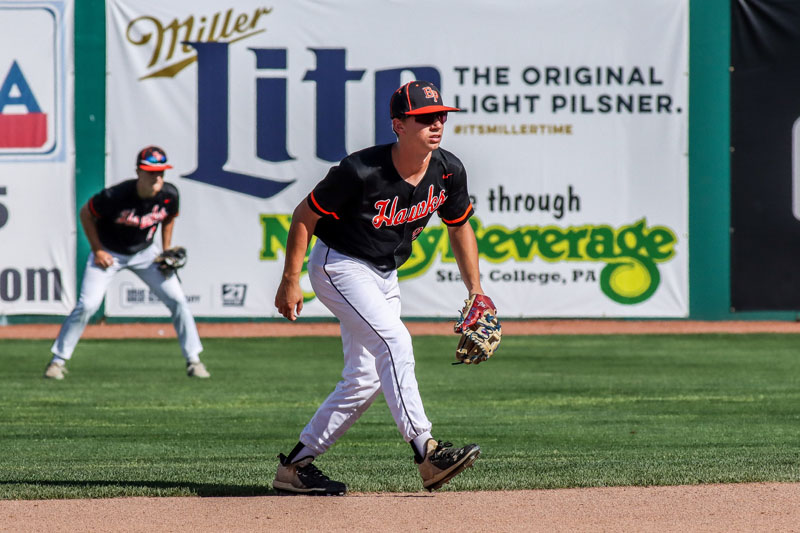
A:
<point x="171" y="259"/>
<point x="479" y="329"/>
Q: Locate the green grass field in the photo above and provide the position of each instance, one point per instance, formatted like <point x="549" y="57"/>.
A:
<point x="548" y="411"/>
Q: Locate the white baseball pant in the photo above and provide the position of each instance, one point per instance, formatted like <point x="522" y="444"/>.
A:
<point x="93" y="289"/>
<point x="378" y="355"/>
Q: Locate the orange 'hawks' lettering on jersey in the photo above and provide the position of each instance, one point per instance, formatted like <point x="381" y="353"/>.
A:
<point x="416" y="212"/>
<point x="128" y="217"/>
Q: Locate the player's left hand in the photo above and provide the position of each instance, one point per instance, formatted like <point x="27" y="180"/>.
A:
<point x="171" y="259"/>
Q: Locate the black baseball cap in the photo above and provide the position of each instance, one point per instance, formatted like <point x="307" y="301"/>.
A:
<point x="152" y="158"/>
<point x="417" y="98"/>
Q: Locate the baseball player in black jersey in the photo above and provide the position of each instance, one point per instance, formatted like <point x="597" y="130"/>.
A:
<point x="366" y="212"/>
<point x="120" y="223"/>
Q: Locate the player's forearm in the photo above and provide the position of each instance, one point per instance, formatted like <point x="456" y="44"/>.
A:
<point x="465" y="250"/>
<point x="300" y="232"/>
<point x="166" y="233"/>
<point x="89" y="224"/>
<point x="296" y="246"/>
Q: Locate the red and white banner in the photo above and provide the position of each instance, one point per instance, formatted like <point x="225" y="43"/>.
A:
<point x="574" y="136"/>
<point x="37" y="158"/>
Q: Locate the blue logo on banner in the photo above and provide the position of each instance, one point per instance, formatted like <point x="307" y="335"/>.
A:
<point x="20" y="130"/>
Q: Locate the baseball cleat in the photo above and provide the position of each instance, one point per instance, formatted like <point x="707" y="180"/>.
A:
<point x="302" y="477"/>
<point x="55" y="371"/>
<point x="443" y="462"/>
<point x="197" y="370"/>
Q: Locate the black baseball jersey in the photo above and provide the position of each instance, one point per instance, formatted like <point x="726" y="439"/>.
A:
<point x="369" y="212"/>
<point x="126" y="223"/>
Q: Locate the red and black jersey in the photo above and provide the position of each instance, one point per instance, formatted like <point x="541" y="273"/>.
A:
<point x="369" y="212"/>
<point x="127" y="223"/>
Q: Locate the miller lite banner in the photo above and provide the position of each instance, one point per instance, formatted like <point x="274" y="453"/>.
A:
<point x="573" y="132"/>
<point x="37" y="213"/>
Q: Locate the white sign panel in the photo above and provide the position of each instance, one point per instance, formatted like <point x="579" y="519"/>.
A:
<point x="574" y="136"/>
<point x="37" y="206"/>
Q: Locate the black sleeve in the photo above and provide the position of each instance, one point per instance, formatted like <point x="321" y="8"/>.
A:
<point x="457" y="208"/>
<point x="173" y="199"/>
<point x="103" y="204"/>
<point x="331" y="195"/>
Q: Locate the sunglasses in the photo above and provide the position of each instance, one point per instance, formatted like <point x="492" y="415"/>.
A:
<point x="155" y="159"/>
<point x="429" y="118"/>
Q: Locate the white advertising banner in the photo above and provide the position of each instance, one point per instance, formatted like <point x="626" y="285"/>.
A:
<point x="573" y="134"/>
<point x="37" y="176"/>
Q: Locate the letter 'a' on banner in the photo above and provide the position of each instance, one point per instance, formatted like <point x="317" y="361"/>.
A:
<point x="20" y="130"/>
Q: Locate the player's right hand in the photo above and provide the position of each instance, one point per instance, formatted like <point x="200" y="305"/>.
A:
<point x="289" y="299"/>
<point x="103" y="259"/>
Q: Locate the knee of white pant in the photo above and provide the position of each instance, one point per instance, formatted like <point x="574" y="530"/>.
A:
<point x="86" y="307"/>
<point x="363" y="385"/>
<point x="178" y="307"/>
<point x="398" y="342"/>
<point x="403" y="337"/>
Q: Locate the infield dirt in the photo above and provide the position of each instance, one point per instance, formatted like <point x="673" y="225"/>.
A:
<point x="723" y="508"/>
<point x="304" y="328"/>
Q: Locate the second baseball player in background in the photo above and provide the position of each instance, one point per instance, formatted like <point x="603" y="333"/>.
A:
<point x="120" y="223"/>
<point x="366" y="213"/>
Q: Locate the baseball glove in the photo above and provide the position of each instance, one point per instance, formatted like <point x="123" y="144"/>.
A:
<point x="479" y="329"/>
<point x="171" y="259"/>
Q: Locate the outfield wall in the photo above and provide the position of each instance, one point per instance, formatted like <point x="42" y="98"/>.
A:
<point x="699" y="289"/>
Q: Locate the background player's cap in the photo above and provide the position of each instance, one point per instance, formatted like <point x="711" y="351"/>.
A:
<point x="152" y="158"/>
<point x="417" y="98"/>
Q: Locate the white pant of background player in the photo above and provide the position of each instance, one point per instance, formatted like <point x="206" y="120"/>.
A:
<point x="378" y="355"/>
<point x="93" y="289"/>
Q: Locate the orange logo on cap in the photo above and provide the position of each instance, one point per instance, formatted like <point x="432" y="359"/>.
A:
<point x="430" y="93"/>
